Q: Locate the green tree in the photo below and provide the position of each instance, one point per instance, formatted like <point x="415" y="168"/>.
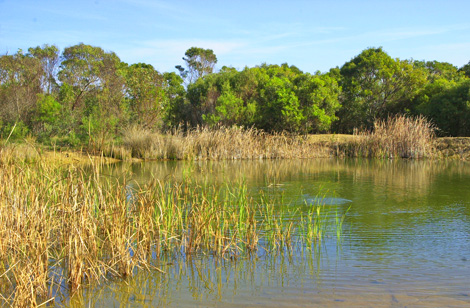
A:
<point x="375" y="85"/>
<point x="279" y="108"/>
<point x="228" y="109"/>
<point x="49" y="57"/>
<point x="88" y="69"/>
<point x="176" y="107"/>
<point x="20" y="83"/>
<point x="438" y="70"/>
<point x="449" y="108"/>
<point x="199" y="62"/>
<point x="145" y="91"/>
<point x="92" y="91"/>
<point x="319" y="100"/>
<point x="466" y="69"/>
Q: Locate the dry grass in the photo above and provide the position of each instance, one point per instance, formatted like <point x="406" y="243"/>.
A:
<point x="224" y="143"/>
<point x="453" y="148"/>
<point x="397" y="137"/>
<point x="19" y="152"/>
<point x="63" y="228"/>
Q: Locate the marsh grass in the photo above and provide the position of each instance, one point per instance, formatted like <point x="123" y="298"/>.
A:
<point x="400" y="137"/>
<point x="19" y="152"/>
<point x="396" y="137"/>
<point x="222" y="143"/>
<point x="62" y="228"/>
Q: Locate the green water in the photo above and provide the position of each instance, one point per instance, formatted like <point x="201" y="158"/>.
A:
<point x="405" y="240"/>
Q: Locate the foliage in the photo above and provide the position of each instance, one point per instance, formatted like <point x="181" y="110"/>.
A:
<point x="49" y="57"/>
<point x="449" y="108"/>
<point x="145" y="93"/>
<point x="20" y="82"/>
<point x="269" y="97"/>
<point x="199" y="62"/>
<point x="176" y="106"/>
<point x="15" y="131"/>
<point x="440" y="70"/>
<point x="86" y="96"/>
<point x="319" y="99"/>
<point x="466" y="69"/>
<point x="374" y="86"/>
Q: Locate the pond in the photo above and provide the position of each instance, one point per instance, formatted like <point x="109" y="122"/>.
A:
<point x="405" y="240"/>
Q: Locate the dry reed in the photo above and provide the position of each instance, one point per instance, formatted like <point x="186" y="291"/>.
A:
<point x="63" y="228"/>
<point x="396" y="137"/>
<point x="204" y="143"/>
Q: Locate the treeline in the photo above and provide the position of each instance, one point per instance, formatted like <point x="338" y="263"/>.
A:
<point x="88" y="96"/>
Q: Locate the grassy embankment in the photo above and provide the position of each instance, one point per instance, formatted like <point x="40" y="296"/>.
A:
<point x="398" y="137"/>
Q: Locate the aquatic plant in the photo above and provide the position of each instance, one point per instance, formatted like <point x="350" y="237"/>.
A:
<point x="396" y="137"/>
<point x="62" y="228"/>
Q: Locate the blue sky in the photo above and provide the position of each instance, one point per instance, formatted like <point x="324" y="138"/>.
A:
<point x="313" y="35"/>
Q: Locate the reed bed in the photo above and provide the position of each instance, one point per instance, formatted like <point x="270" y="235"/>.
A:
<point x="223" y="143"/>
<point x="400" y="137"/>
<point x="62" y="228"/>
<point x="396" y="137"/>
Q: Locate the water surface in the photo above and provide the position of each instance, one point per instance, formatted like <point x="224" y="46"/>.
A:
<point x="405" y="241"/>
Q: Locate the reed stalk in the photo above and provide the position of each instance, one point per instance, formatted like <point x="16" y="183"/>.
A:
<point x="63" y="228"/>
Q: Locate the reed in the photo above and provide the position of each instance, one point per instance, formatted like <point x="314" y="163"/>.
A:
<point x="396" y="137"/>
<point x="222" y="143"/>
<point x="62" y="228"/>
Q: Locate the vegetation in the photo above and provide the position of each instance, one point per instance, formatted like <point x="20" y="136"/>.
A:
<point x="87" y="97"/>
<point x="398" y="137"/>
<point x="66" y="227"/>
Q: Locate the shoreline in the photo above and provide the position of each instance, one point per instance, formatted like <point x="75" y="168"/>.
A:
<point x="301" y="147"/>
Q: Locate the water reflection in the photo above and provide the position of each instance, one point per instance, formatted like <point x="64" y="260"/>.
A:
<point x="206" y="281"/>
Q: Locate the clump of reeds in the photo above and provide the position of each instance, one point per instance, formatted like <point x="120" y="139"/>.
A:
<point x="397" y="137"/>
<point x="63" y="228"/>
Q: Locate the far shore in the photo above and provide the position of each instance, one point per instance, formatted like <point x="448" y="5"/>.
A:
<point x="321" y="146"/>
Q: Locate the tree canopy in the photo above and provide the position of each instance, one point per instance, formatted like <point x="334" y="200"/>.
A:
<point x="86" y="95"/>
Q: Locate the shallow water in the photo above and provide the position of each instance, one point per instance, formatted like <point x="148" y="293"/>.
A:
<point x="405" y="240"/>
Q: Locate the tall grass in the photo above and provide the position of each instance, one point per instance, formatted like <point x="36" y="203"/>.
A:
<point x="63" y="228"/>
<point x="204" y="143"/>
<point x="396" y="137"/>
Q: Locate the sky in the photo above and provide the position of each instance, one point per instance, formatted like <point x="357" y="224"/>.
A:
<point x="312" y="35"/>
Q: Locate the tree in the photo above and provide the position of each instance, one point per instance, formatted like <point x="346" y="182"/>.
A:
<point x="279" y="107"/>
<point x="440" y="77"/>
<point x="449" y="108"/>
<point x="319" y="100"/>
<point x="199" y="62"/>
<point x="145" y="92"/>
<point x="437" y="70"/>
<point x="374" y="86"/>
<point x="228" y="110"/>
<point x="92" y="92"/>
<point x="49" y="57"/>
<point x="176" y="106"/>
<point x="466" y="69"/>
<point x="20" y="83"/>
